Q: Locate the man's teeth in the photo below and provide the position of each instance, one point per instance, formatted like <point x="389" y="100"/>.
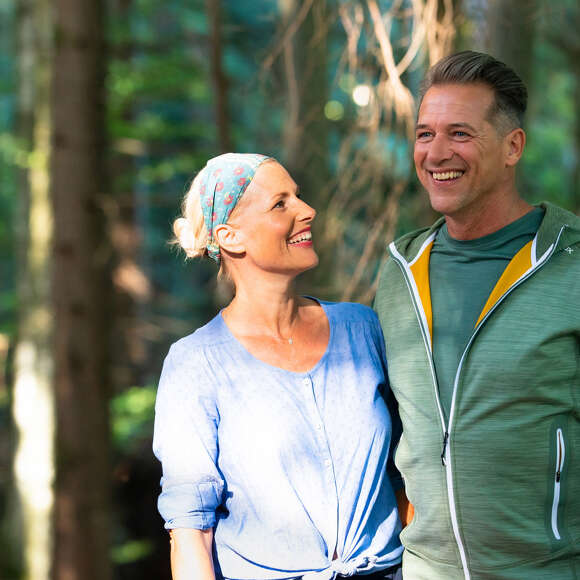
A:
<point x="444" y="176"/>
<point x="303" y="237"/>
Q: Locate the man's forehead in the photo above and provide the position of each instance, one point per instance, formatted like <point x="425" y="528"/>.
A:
<point x="455" y="103"/>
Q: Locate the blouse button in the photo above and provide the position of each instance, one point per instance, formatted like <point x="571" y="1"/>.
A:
<point x="306" y="382"/>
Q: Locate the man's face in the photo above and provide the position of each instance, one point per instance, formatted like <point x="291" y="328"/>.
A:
<point x="460" y="157"/>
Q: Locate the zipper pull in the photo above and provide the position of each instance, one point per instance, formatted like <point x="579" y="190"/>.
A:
<point x="445" y="438"/>
<point x="559" y="459"/>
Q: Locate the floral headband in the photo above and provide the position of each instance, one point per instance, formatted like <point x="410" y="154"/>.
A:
<point x="224" y="180"/>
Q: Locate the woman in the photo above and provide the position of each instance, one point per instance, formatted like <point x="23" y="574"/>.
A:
<point x="269" y="423"/>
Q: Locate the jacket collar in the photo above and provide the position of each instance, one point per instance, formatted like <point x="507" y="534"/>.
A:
<point x="411" y="244"/>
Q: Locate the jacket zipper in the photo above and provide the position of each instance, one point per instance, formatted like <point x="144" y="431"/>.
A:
<point x="560" y="456"/>
<point x="446" y="452"/>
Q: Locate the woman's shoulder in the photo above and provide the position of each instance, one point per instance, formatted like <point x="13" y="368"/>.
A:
<point x="210" y="335"/>
<point x="357" y="324"/>
<point x="193" y="357"/>
<point x="350" y="311"/>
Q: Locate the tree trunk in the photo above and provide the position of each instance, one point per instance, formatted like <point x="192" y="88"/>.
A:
<point x="305" y="65"/>
<point x="306" y="130"/>
<point x="33" y="398"/>
<point x="219" y="80"/>
<point x="131" y="286"/>
<point x="510" y="34"/>
<point x="81" y="294"/>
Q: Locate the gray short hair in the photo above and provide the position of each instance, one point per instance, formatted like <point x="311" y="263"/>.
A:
<point x="469" y="67"/>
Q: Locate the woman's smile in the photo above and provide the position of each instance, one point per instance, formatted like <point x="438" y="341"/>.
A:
<point x="302" y="239"/>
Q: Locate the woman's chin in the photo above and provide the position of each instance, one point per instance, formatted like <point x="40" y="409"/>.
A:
<point x="315" y="261"/>
<point x="298" y="267"/>
<point x="312" y="263"/>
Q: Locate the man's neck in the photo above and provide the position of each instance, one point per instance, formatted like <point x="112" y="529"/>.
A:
<point x="486" y="220"/>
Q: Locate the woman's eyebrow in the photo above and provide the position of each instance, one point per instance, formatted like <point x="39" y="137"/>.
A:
<point x="285" y="193"/>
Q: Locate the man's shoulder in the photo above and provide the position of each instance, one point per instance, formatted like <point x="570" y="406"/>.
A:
<point x="557" y="216"/>
<point x="409" y="244"/>
<point x="558" y="224"/>
<point x="404" y="249"/>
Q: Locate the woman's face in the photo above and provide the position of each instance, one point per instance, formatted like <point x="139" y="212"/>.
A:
<point x="275" y="223"/>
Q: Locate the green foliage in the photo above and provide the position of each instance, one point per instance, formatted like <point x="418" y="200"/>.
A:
<point x="160" y="107"/>
<point x="132" y="414"/>
<point x="551" y="152"/>
<point x="13" y="155"/>
<point x="131" y="551"/>
<point x="14" y="151"/>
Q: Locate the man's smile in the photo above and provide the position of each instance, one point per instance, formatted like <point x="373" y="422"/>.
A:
<point x="446" y="175"/>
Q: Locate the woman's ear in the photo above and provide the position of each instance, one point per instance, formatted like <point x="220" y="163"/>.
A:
<point x="229" y="239"/>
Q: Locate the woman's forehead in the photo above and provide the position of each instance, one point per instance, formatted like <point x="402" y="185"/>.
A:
<point x="272" y="178"/>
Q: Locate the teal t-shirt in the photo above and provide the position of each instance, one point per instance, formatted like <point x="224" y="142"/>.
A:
<point x="462" y="274"/>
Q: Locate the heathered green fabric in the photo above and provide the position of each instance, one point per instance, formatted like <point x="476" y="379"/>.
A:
<point x="520" y="382"/>
<point x="462" y="274"/>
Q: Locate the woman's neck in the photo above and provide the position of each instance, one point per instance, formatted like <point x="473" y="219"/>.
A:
<point x="270" y="308"/>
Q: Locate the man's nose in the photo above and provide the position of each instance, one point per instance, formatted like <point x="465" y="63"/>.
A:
<point x="439" y="149"/>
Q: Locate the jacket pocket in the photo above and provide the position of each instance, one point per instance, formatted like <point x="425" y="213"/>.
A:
<point x="559" y="466"/>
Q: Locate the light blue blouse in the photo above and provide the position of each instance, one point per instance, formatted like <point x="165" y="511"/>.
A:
<point x="288" y="467"/>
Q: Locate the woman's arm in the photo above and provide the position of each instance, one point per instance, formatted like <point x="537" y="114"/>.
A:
<point x="191" y="554"/>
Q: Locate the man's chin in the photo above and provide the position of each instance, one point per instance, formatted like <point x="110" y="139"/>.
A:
<point x="442" y="204"/>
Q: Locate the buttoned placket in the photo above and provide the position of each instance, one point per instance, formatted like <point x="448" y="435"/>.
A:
<point x="329" y="474"/>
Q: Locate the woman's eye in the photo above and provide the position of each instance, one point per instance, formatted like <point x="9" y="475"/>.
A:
<point x="279" y="204"/>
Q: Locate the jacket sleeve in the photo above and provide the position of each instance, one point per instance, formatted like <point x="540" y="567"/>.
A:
<point x="396" y="425"/>
<point x="185" y="441"/>
<point x="396" y="431"/>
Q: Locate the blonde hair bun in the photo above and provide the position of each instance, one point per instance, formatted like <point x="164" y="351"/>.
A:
<point x="190" y="231"/>
<point x="183" y="230"/>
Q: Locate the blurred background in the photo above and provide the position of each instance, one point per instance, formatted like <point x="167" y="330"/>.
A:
<point x="107" y="110"/>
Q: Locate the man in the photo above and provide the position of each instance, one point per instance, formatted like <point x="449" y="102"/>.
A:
<point x="481" y="314"/>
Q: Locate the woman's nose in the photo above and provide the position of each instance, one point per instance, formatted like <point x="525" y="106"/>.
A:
<point x="307" y="213"/>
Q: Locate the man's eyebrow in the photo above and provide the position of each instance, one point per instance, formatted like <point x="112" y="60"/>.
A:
<point x="453" y="125"/>
<point x="463" y="125"/>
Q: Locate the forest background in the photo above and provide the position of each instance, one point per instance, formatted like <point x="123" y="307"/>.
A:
<point x="107" y="110"/>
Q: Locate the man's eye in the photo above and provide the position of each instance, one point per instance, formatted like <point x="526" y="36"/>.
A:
<point x="460" y="134"/>
<point x="424" y="135"/>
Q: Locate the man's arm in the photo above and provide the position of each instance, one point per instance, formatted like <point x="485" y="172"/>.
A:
<point x="191" y="554"/>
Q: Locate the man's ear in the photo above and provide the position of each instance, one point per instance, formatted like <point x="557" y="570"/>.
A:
<point x="514" y="143"/>
<point x="229" y="239"/>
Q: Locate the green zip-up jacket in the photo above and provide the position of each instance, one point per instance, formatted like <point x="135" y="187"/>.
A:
<point x="496" y="484"/>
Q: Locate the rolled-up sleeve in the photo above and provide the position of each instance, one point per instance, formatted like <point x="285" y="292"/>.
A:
<point x="185" y="441"/>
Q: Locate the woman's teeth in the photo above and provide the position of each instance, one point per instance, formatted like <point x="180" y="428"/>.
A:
<point x="303" y="237"/>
